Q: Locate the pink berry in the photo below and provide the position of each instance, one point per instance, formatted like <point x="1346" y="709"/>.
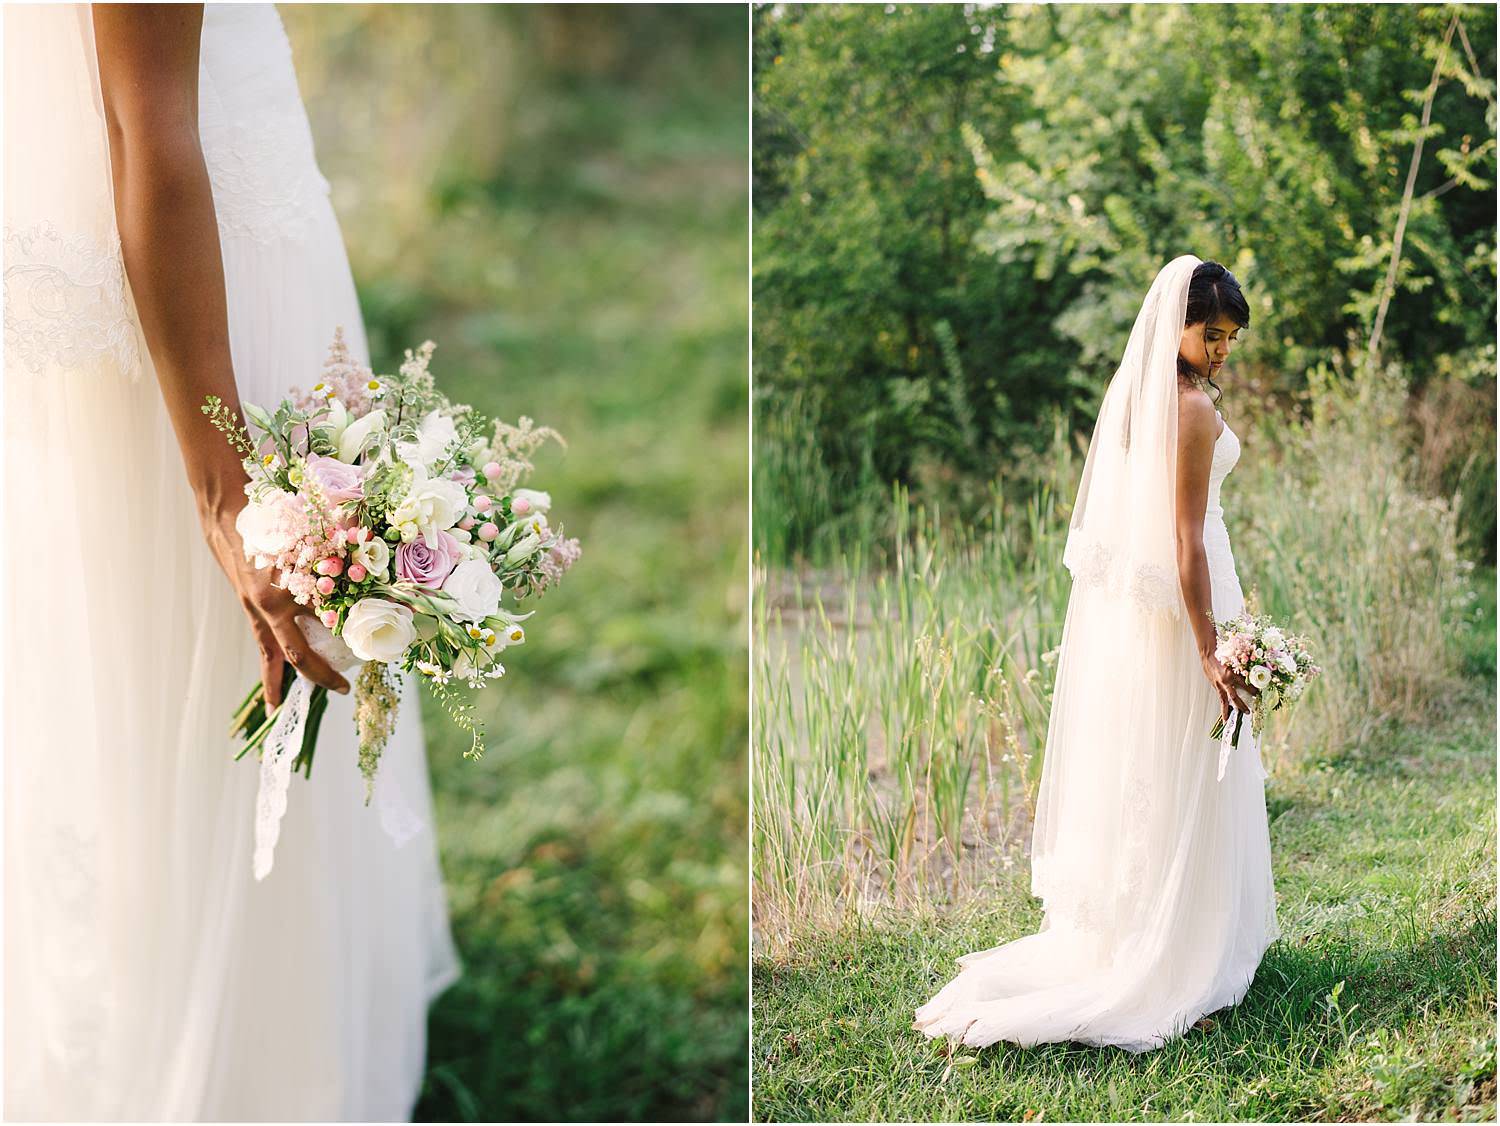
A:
<point x="520" y="506"/>
<point x="331" y="566"/>
<point x="357" y="573"/>
<point x="325" y="585"/>
<point x="330" y="618"/>
<point x="492" y="469"/>
<point x="482" y="503"/>
<point x="467" y="523"/>
<point x="488" y="531"/>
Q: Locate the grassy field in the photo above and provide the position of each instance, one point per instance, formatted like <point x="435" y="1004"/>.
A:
<point x="1378" y="1003"/>
<point x="558" y="199"/>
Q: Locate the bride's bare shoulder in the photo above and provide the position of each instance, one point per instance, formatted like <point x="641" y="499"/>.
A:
<point x="1196" y="416"/>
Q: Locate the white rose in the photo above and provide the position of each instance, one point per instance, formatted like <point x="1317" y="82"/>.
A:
<point x="1274" y="638"/>
<point x="1288" y="664"/>
<point x="435" y="434"/>
<point x="430" y="506"/>
<point x="373" y="555"/>
<point x="538" y="500"/>
<point x="475" y="588"/>
<point x="379" y="630"/>
<point x="358" y="434"/>
<point x="1259" y="677"/>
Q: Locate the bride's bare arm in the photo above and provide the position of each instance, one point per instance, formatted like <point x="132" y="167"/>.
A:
<point x="169" y="238"/>
<point x="1197" y="433"/>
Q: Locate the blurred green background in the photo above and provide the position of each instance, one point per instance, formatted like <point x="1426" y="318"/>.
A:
<point x="557" y="196"/>
<point x="958" y="208"/>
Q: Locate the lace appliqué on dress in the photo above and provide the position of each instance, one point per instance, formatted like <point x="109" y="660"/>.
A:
<point x="266" y="183"/>
<point x="65" y="301"/>
<point x="1152" y="588"/>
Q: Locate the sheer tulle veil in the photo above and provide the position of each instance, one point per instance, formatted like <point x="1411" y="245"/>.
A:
<point x="1122" y="531"/>
<point x="1121" y="674"/>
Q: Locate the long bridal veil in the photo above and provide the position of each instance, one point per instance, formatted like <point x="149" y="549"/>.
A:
<point x="148" y="977"/>
<point x="1153" y="914"/>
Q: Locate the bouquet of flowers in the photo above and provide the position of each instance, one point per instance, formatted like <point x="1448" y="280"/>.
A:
<point x="1274" y="662"/>
<point x="397" y="518"/>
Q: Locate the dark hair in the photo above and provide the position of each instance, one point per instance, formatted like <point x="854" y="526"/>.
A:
<point x="1212" y="292"/>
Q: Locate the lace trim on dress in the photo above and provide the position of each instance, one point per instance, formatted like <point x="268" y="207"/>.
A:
<point x="1152" y="588"/>
<point x="267" y="186"/>
<point x="65" y="301"/>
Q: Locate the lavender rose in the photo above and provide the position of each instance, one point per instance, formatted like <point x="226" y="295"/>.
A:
<point x="429" y="566"/>
<point x="338" y="480"/>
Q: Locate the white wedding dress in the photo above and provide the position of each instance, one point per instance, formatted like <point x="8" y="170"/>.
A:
<point x="148" y="976"/>
<point x="1156" y="881"/>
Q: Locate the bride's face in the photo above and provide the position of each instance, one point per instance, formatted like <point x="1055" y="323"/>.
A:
<point x="1207" y="346"/>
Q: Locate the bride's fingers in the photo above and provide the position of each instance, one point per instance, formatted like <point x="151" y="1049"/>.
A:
<point x="302" y="656"/>
<point x="271" y="662"/>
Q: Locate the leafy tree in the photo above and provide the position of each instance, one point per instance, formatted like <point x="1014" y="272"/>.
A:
<point x="958" y="209"/>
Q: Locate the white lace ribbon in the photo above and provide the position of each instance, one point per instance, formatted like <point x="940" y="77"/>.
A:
<point x="1227" y="741"/>
<point x="277" y="756"/>
<point x="398" y="818"/>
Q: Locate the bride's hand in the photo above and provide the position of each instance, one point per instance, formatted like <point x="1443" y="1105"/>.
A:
<point x="1227" y="684"/>
<point x="272" y="612"/>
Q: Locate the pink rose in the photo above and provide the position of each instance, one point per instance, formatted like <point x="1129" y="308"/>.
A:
<point x="429" y="566"/>
<point x="339" y="481"/>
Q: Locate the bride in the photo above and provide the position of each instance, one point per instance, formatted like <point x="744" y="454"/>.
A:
<point x="1154" y="872"/>
<point x="168" y="236"/>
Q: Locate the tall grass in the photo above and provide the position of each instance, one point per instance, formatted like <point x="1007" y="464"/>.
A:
<point x="1336" y="539"/>
<point x="902" y="711"/>
<point x="801" y="505"/>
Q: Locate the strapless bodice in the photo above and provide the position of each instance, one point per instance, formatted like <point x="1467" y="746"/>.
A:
<point x="1228" y="598"/>
<point x="1226" y="455"/>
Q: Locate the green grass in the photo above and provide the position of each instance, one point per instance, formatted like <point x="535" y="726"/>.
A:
<point x="569" y="226"/>
<point x="1378" y="1003"/>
